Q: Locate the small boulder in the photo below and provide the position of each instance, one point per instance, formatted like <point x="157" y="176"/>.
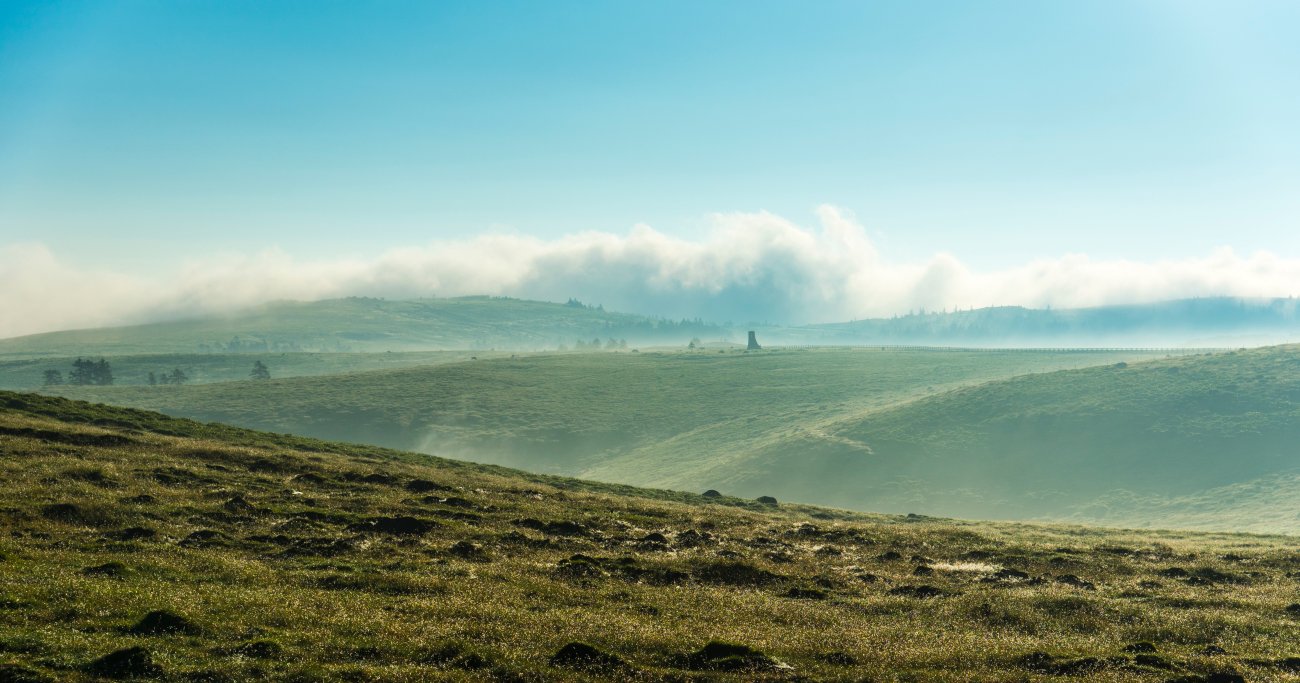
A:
<point x="711" y="493"/>
<point x="766" y="500"/>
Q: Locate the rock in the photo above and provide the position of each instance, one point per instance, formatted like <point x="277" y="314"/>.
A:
<point x="766" y="500"/>
<point x="1293" y="609"/>
<point x="923" y="570"/>
<point x="1143" y="647"/>
<point x="584" y="657"/>
<point x="711" y="493"/>
<point x="654" y="537"/>
<point x="162" y="622"/>
<point x="132" y="662"/>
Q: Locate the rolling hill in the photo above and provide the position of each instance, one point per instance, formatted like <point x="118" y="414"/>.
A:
<point x="138" y="546"/>
<point x="811" y="425"/>
<point x="365" y="325"/>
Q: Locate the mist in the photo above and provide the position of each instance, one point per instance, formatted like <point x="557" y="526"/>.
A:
<point x="754" y="266"/>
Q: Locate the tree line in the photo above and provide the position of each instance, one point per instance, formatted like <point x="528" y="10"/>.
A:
<point x="86" y="372"/>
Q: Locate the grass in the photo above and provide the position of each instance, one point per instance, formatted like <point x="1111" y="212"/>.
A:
<point x="776" y="422"/>
<point x="272" y="557"/>
<point x="27" y="374"/>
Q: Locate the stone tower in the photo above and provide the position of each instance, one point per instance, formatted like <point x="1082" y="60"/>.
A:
<point x="753" y="342"/>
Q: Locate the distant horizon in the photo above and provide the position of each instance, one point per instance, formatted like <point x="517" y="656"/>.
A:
<point x="727" y="324"/>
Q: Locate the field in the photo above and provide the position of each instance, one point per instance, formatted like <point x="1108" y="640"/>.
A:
<point x="140" y="545"/>
<point x="976" y="434"/>
<point x="203" y="368"/>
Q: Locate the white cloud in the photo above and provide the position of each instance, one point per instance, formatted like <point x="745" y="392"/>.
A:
<point x="750" y="266"/>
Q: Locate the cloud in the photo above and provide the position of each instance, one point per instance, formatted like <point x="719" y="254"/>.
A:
<point x="748" y="267"/>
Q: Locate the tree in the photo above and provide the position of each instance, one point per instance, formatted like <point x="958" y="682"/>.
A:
<point x="177" y="376"/>
<point x="82" y="371"/>
<point x="86" y="371"/>
<point x="259" y="371"/>
<point x="153" y="380"/>
<point x="53" y="378"/>
<point x="103" y="374"/>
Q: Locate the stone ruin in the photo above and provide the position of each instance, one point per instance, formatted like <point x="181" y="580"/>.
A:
<point x="753" y="342"/>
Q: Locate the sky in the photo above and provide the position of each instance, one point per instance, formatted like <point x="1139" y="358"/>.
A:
<point x="870" y="157"/>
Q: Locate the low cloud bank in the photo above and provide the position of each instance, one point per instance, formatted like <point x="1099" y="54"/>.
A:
<point x="749" y="267"/>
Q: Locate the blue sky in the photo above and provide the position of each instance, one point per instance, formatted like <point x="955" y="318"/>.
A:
<point x="140" y="133"/>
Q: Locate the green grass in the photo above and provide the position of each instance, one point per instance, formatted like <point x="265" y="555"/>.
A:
<point x="267" y="546"/>
<point x="202" y="368"/>
<point x="753" y="424"/>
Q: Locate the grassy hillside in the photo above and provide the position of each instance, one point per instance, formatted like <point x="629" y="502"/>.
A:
<point x="136" y="545"/>
<point x="690" y="421"/>
<point x="359" y="324"/>
<point x="1157" y="431"/>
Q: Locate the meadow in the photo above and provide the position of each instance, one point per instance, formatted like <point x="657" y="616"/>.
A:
<point x="932" y="431"/>
<point x="137" y="545"/>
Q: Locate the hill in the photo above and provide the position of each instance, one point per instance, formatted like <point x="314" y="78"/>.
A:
<point x="1215" y="321"/>
<point x="682" y="420"/>
<point x="361" y="324"/>
<point x="140" y="546"/>
<point x="1126" y="442"/>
